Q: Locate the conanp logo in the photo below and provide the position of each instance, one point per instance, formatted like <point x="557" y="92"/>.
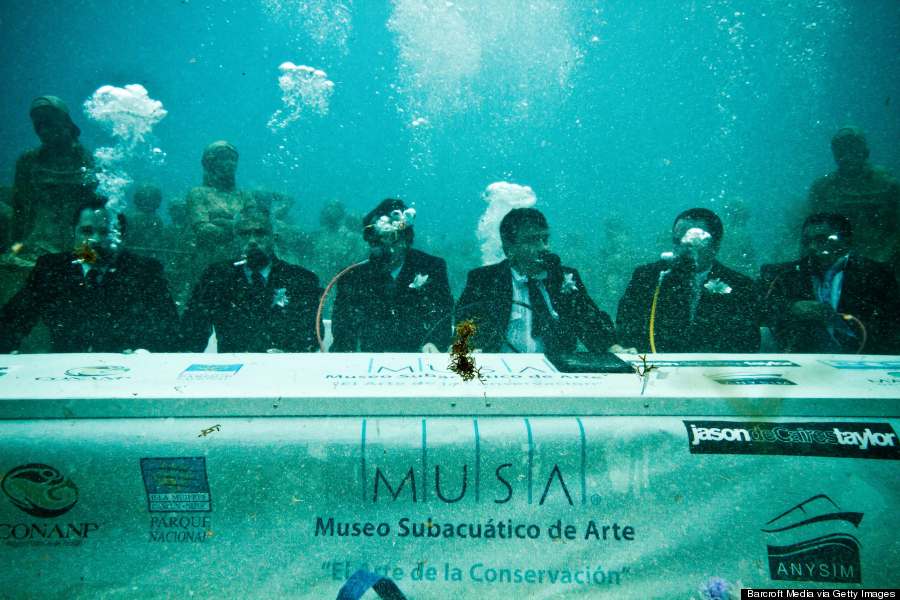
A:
<point x="90" y="373"/>
<point x="40" y="490"/>
<point x="813" y="543"/>
<point x="97" y="371"/>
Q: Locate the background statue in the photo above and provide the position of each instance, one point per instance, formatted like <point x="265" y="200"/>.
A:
<point x="866" y="194"/>
<point x="47" y="181"/>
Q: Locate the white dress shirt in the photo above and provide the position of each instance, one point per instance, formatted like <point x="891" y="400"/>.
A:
<point x="518" y="332"/>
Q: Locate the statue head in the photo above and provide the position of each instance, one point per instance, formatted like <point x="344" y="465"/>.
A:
<point x="850" y="150"/>
<point x="220" y="160"/>
<point x="332" y="215"/>
<point x="52" y="123"/>
<point x="147" y="198"/>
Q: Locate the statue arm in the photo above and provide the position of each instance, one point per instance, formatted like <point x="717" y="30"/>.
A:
<point x="207" y="230"/>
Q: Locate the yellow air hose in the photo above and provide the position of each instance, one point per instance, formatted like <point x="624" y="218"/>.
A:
<point x="653" y="316"/>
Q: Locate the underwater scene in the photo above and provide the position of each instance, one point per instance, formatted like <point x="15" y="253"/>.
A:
<point x="610" y="119"/>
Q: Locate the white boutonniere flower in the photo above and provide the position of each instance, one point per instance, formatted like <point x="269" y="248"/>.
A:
<point x="419" y="281"/>
<point x="717" y="286"/>
<point x="568" y="284"/>
<point x="281" y="298"/>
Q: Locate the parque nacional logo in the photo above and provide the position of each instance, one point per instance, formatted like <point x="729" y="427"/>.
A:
<point x="40" y="490"/>
<point x="813" y="543"/>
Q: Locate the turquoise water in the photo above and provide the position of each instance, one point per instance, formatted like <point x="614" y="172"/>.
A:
<point x="617" y="114"/>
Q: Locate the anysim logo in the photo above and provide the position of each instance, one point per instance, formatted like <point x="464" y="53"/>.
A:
<point x="40" y="490"/>
<point x="814" y="548"/>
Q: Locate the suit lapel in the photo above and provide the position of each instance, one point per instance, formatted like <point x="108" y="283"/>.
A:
<point x="406" y="274"/>
<point x="504" y="291"/>
<point x="276" y="276"/>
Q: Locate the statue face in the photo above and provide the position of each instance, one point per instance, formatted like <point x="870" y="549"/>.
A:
<point x="51" y="126"/>
<point x="850" y="154"/>
<point x="332" y="215"/>
<point x="147" y="199"/>
<point x="222" y="162"/>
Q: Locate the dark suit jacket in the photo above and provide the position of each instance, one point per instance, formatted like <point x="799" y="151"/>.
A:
<point x="869" y="292"/>
<point x="724" y="322"/>
<point x="373" y="313"/>
<point x="487" y="300"/>
<point x="130" y="308"/>
<point x="282" y="315"/>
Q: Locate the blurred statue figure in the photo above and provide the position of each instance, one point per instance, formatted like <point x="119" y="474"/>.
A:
<point x="48" y="181"/>
<point x="337" y="243"/>
<point x="739" y="250"/>
<point x="178" y="263"/>
<point x="5" y="218"/>
<point x="212" y="207"/>
<point x="866" y="194"/>
<point x="292" y="243"/>
<point x="147" y="235"/>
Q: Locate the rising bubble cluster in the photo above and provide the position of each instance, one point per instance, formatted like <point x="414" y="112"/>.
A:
<point x="303" y="89"/>
<point x="327" y="23"/>
<point x="457" y="56"/>
<point x="129" y="114"/>
<point x="501" y="197"/>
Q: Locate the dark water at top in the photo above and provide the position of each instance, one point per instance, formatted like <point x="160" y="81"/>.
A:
<point x="617" y="114"/>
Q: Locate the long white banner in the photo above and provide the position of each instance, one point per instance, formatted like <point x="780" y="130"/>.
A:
<point x="447" y="507"/>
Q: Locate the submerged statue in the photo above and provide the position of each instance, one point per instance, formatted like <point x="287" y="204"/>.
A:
<point x="866" y="194"/>
<point x="212" y="207"/>
<point x="47" y="182"/>
<point x="146" y="231"/>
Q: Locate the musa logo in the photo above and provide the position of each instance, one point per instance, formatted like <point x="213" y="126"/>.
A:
<point x="829" y="555"/>
<point x="500" y="479"/>
<point x="40" y="490"/>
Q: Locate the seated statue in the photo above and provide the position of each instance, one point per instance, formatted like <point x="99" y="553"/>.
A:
<point x="212" y="207"/>
<point x="47" y="182"/>
<point x="866" y="194"/>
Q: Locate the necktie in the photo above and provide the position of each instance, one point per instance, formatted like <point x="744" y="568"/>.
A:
<point x="541" y="320"/>
<point x="257" y="281"/>
<point x="257" y="291"/>
<point x="92" y="278"/>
